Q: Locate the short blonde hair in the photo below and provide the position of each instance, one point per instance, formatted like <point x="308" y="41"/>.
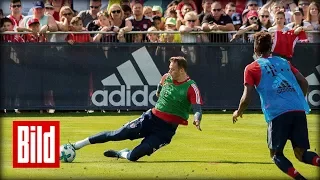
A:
<point x="152" y="28"/>
<point x="146" y="8"/>
<point x="190" y="14"/>
<point x="75" y="20"/>
<point x="116" y="6"/>
<point x="103" y="13"/>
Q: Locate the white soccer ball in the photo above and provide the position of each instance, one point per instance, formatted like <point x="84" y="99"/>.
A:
<point x="67" y="153"/>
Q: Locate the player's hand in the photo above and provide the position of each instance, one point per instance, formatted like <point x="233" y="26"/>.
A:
<point x="235" y="116"/>
<point x="197" y="124"/>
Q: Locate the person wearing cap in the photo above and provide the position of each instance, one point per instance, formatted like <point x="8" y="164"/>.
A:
<point x="298" y="21"/>
<point x="47" y="22"/>
<point x="34" y="26"/>
<point x="253" y="24"/>
<point x="236" y="20"/>
<point x="49" y="9"/>
<point x="157" y="11"/>
<point x="171" y="25"/>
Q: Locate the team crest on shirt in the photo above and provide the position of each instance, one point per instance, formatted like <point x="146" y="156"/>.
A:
<point x="145" y="26"/>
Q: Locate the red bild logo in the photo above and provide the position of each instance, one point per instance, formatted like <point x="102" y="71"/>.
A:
<point x="36" y="144"/>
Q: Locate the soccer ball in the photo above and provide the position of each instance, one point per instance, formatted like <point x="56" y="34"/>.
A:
<point x="67" y="153"/>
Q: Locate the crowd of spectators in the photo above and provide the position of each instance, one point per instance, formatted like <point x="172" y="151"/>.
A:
<point x="180" y="16"/>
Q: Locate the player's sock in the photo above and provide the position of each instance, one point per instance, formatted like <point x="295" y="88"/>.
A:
<point x="286" y="166"/>
<point x="124" y="154"/>
<point x="81" y="144"/>
<point x="311" y="158"/>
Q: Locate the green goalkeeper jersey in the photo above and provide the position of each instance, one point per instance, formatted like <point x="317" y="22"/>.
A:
<point x="173" y="98"/>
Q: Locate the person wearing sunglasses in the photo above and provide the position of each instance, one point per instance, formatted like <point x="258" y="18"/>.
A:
<point x="252" y="25"/>
<point x="217" y="21"/>
<point x="304" y="4"/>
<point x="264" y="17"/>
<point x="89" y="15"/>
<point x="16" y="12"/>
<point x="252" y="5"/>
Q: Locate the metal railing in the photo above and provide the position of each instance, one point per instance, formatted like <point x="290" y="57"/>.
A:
<point x="161" y="36"/>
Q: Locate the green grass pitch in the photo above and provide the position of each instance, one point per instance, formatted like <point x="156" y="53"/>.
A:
<point x="223" y="150"/>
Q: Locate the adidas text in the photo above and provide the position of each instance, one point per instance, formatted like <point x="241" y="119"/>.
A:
<point x="126" y="97"/>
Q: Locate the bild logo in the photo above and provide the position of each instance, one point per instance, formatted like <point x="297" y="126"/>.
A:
<point x="313" y="97"/>
<point x="36" y="144"/>
<point x="133" y="92"/>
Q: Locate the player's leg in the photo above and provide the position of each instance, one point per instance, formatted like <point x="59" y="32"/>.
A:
<point x="278" y="132"/>
<point x="148" y="146"/>
<point x="160" y="134"/>
<point x="131" y="131"/>
<point x="300" y="140"/>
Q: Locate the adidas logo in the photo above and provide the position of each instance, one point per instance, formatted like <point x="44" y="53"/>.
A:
<point x="133" y="91"/>
<point x="282" y="85"/>
<point x="313" y="96"/>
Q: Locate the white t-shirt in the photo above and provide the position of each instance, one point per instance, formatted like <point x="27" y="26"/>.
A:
<point x="274" y="28"/>
<point x="305" y="24"/>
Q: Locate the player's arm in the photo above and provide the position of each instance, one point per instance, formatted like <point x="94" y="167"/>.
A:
<point x="303" y="83"/>
<point x="195" y="99"/>
<point x="250" y="79"/>
<point x="159" y="87"/>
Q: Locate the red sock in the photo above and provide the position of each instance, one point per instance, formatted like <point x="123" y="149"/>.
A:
<point x="292" y="172"/>
<point x="316" y="161"/>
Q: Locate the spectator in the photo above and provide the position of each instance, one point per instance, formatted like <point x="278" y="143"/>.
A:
<point x="34" y="25"/>
<point x="230" y="9"/>
<point x="8" y="25"/>
<point x="236" y="20"/>
<point x="127" y="12"/>
<point x="276" y="7"/>
<point x="16" y="12"/>
<point x="171" y="12"/>
<point x="118" y="18"/>
<point x="314" y="19"/>
<point x="279" y="23"/>
<point x="298" y="21"/>
<point x="49" y="9"/>
<point x="138" y="20"/>
<point x="206" y="5"/>
<point x="313" y="16"/>
<point x="190" y="25"/>
<point x="105" y="26"/>
<point x="47" y="22"/>
<point x="253" y="24"/>
<point x="304" y="4"/>
<point x="77" y="26"/>
<point x="89" y="15"/>
<point x="264" y="17"/>
<point x="252" y="5"/>
<point x="157" y="11"/>
<point x="244" y="15"/>
<point x="57" y="4"/>
<point x="179" y="8"/>
<point x="157" y="23"/>
<point x="65" y="16"/>
<point x="147" y="11"/>
<point x="217" y="21"/>
<point x="171" y="26"/>
<point x="152" y="37"/>
<point x="184" y="10"/>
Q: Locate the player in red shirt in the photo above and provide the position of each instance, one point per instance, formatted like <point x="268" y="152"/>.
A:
<point x="8" y="26"/>
<point x="76" y="25"/>
<point x="284" y="42"/>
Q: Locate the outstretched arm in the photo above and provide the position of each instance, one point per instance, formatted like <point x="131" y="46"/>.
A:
<point x="244" y="102"/>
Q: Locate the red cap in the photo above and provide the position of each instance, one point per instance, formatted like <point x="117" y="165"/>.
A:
<point x="252" y="13"/>
<point x="31" y="21"/>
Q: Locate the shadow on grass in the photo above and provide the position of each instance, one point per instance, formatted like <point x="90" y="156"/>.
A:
<point x="197" y="161"/>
